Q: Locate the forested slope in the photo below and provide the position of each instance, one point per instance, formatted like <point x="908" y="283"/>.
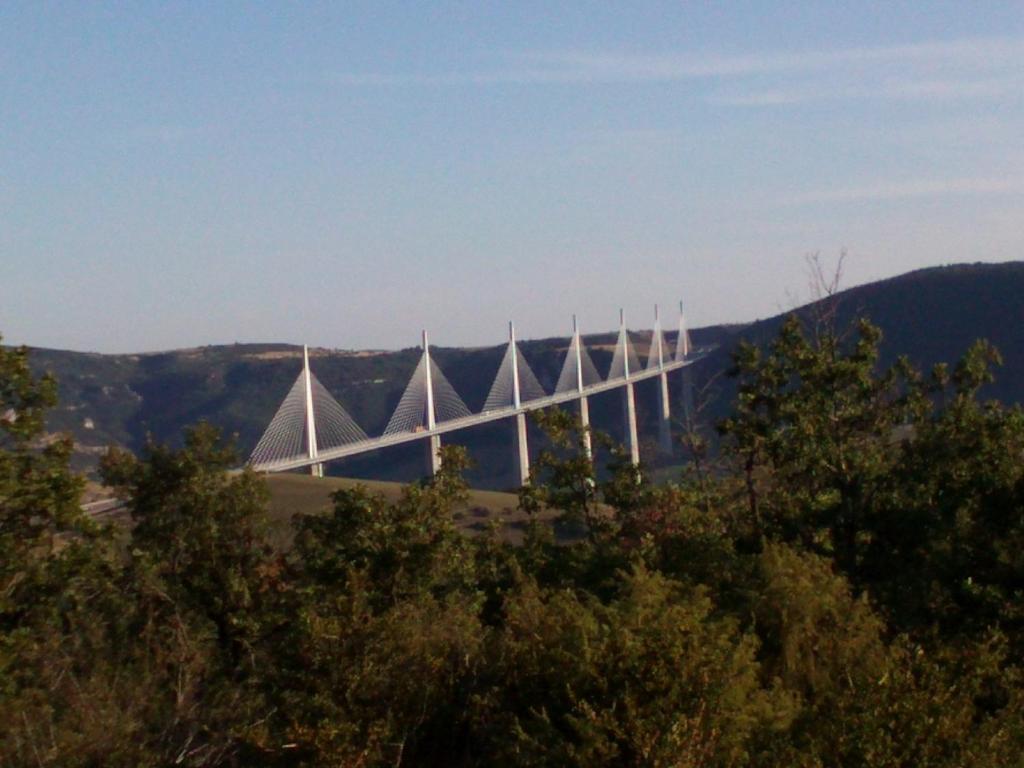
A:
<point x="842" y="586"/>
<point x="929" y="315"/>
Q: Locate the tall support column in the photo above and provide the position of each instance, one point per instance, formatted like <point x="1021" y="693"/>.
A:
<point x="629" y="399"/>
<point x="664" y="416"/>
<point x="683" y="352"/>
<point x="434" y="441"/>
<point x="629" y="408"/>
<point x="317" y="470"/>
<point x="588" y="449"/>
<point x="522" y="450"/>
<point x="522" y="447"/>
<point x="584" y="406"/>
<point x="664" y="409"/>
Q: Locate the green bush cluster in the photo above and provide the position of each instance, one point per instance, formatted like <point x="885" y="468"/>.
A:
<point x="842" y="586"/>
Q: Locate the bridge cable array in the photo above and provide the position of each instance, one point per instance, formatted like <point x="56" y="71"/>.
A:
<point x="288" y="432"/>
<point x="656" y="349"/>
<point x="578" y="369"/>
<point x="502" y="394"/>
<point x="625" y="361"/>
<point x="410" y="412"/>
<point x="429" y="398"/>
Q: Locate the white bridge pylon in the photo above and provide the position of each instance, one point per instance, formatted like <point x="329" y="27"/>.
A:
<point x="311" y="427"/>
<point x="429" y="398"/>
<point x="309" y="420"/>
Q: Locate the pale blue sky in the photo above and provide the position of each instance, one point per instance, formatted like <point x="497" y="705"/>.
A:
<point x="346" y="174"/>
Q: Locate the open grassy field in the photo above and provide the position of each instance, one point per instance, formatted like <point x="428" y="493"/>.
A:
<point x="294" y="493"/>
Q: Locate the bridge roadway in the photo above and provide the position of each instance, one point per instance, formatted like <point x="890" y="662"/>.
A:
<point x="386" y="441"/>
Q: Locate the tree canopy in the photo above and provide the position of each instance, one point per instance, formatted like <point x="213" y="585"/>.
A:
<point x="842" y="586"/>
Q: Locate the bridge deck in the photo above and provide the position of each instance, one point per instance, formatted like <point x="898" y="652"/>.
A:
<point x="386" y="441"/>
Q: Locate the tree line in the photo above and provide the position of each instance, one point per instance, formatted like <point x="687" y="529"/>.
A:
<point x="841" y="585"/>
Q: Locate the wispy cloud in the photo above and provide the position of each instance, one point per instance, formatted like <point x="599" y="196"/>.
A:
<point x="952" y="89"/>
<point x="907" y="89"/>
<point x="510" y="76"/>
<point x="969" y="55"/>
<point x="920" y="188"/>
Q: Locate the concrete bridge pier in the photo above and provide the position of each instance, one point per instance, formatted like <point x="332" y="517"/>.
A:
<point x="522" y="450"/>
<point x="434" y="443"/>
<point x="588" y="449"/>
<point x="688" y="401"/>
<point x="664" y="416"/>
<point x="434" y="454"/>
<point x="682" y="353"/>
<point x="628" y="396"/>
<point x="577" y="350"/>
<point x="629" y="414"/>
<point x="522" y="447"/>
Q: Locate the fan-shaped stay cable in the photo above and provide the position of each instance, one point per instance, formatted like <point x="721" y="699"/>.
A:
<point x="409" y="413"/>
<point x="282" y="438"/>
<point x="334" y="426"/>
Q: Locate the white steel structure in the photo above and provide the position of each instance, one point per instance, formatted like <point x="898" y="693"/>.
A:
<point x="311" y="428"/>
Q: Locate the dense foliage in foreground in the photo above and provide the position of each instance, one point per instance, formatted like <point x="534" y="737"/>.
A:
<point x="844" y="587"/>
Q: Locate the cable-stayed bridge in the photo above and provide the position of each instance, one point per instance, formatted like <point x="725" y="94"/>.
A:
<point x="311" y="427"/>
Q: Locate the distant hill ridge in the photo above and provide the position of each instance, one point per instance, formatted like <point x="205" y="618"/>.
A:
<point x="931" y="315"/>
<point x="934" y="314"/>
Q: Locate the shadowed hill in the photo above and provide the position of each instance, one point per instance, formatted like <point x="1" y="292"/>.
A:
<point x="931" y="315"/>
<point x="121" y="399"/>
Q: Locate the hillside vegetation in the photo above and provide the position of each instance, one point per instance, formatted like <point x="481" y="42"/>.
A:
<point x="843" y="585"/>
<point x="930" y="315"/>
<point x="476" y="513"/>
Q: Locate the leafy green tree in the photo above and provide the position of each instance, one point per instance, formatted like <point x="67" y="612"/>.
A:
<point x="39" y="495"/>
<point x="564" y="480"/>
<point x="848" y="591"/>
<point x="204" y="583"/>
<point x="361" y="685"/>
<point x="813" y="434"/>
<point x="377" y="666"/>
<point x="56" y="584"/>
<point x="563" y="476"/>
<point x="948" y="548"/>
<point x="653" y="678"/>
<point x="202" y="531"/>
<point x="404" y="548"/>
<point x="816" y="636"/>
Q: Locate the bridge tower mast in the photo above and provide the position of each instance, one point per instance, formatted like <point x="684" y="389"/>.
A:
<point x="317" y="470"/>
<point x="683" y="352"/>
<point x="629" y="398"/>
<point x="584" y="405"/>
<point x="522" y="447"/>
<point x="434" y="441"/>
<point x="664" y="411"/>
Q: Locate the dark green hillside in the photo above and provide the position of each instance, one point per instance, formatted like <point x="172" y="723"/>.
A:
<point x="934" y="314"/>
<point x="120" y="399"/>
<point x="929" y="315"/>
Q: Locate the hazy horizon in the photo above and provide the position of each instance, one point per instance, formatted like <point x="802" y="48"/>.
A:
<point x="175" y="176"/>
<point x="669" y="323"/>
